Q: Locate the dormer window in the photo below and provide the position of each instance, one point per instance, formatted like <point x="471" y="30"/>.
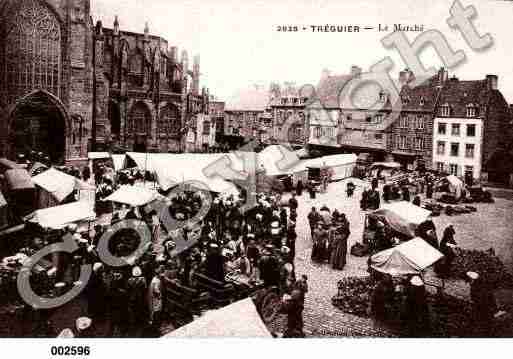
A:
<point x="422" y="101"/>
<point x="471" y="110"/>
<point x="382" y="96"/>
<point x="446" y="110"/>
<point x="284" y="101"/>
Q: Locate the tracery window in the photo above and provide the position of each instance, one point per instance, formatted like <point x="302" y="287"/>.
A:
<point x="140" y="119"/>
<point x="169" y="121"/>
<point x="33" y="50"/>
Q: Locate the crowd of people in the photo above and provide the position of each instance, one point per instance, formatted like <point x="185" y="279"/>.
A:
<point x="258" y="245"/>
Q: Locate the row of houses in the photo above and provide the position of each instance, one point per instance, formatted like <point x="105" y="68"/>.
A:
<point x="462" y="127"/>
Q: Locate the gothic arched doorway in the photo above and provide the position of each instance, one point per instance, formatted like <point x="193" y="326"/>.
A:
<point x="38" y="123"/>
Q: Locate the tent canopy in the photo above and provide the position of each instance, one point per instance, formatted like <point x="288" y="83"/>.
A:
<point x="58" y="183"/>
<point x="19" y="179"/>
<point x="60" y="216"/>
<point x="134" y="196"/>
<point x="278" y="160"/>
<point x="404" y="217"/>
<point x="119" y="162"/>
<point x="332" y="161"/>
<point x="238" y="320"/>
<point x="174" y="169"/>
<point x="392" y="165"/>
<point x="98" y="155"/>
<point x="411" y="257"/>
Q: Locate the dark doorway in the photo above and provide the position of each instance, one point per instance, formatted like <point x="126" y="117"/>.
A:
<point x="38" y="124"/>
<point x="115" y="119"/>
<point x="140" y="144"/>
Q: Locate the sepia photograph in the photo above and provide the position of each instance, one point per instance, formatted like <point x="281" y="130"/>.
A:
<point x="309" y="169"/>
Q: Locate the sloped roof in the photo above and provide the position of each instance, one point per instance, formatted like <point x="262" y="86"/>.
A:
<point x="422" y="97"/>
<point x="329" y="89"/>
<point x="250" y="99"/>
<point x="459" y="94"/>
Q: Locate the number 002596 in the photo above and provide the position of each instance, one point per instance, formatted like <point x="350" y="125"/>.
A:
<point x="70" y="350"/>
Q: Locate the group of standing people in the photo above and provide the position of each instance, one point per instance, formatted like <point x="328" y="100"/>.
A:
<point x="330" y="233"/>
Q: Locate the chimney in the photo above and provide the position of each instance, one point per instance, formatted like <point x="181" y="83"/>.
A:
<point x="173" y="54"/>
<point x="116" y="26"/>
<point x="195" y="74"/>
<point x="443" y="75"/>
<point x="146" y="31"/>
<point x="185" y="61"/>
<point x="355" y="71"/>
<point x="492" y="82"/>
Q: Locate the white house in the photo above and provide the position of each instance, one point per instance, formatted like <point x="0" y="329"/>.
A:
<point x="457" y="145"/>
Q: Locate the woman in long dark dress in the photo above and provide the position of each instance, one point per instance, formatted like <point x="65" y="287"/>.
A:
<point x="339" y="253"/>
<point x="299" y="188"/>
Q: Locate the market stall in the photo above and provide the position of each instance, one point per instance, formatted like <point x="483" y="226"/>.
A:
<point x="279" y="162"/>
<point x="411" y="257"/>
<point x="403" y="217"/>
<point x="56" y="187"/>
<point x="238" y="320"/>
<point x="21" y="191"/>
<point x="449" y="189"/>
<point x="133" y="196"/>
<point x="80" y="213"/>
<point x="385" y="170"/>
<point x="119" y="162"/>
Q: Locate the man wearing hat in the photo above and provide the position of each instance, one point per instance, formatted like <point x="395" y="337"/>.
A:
<point x="83" y="326"/>
<point x="95" y="292"/>
<point x="137" y="292"/>
<point x="293" y="307"/>
<point x="155" y="298"/>
<point x="484" y="305"/>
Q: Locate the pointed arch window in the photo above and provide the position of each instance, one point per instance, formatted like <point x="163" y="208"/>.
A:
<point x="140" y="119"/>
<point x="33" y="50"/>
<point x="169" y="122"/>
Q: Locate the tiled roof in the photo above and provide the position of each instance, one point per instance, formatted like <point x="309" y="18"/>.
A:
<point x="459" y="94"/>
<point x="422" y="97"/>
<point x="250" y="99"/>
<point x="329" y="89"/>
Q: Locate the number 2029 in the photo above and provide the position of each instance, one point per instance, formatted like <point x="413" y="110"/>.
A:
<point x="70" y="350"/>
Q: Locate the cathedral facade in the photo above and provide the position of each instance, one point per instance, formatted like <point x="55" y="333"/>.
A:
<point x="69" y="86"/>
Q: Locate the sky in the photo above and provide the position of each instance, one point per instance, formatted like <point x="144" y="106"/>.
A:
<point x="240" y="46"/>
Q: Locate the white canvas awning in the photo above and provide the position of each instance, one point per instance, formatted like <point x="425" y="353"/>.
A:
<point x="407" y="210"/>
<point x="279" y="160"/>
<point x="58" y="183"/>
<point x="173" y="169"/>
<point x="134" y="196"/>
<point x="98" y="155"/>
<point x="411" y="257"/>
<point x="119" y="162"/>
<point x="403" y="217"/>
<point x="238" y="320"/>
<point x="60" y="216"/>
